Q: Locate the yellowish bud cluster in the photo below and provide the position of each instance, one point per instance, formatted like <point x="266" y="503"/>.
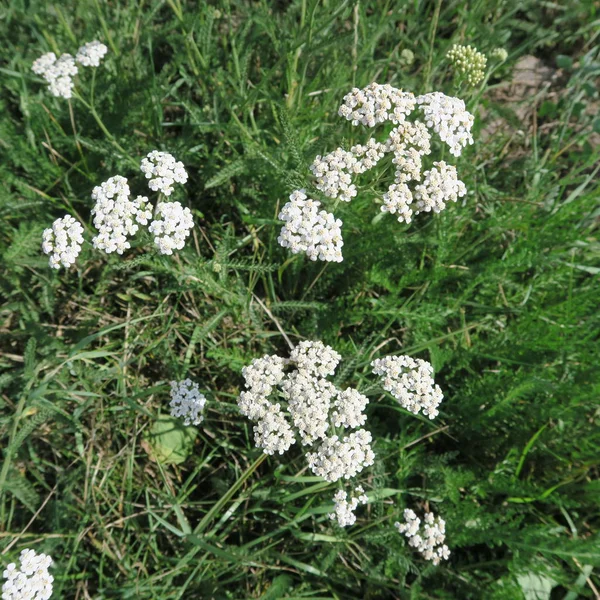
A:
<point x="468" y="63"/>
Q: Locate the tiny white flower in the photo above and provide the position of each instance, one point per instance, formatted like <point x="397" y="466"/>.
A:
<point x="315" y="357"/>
<point x="163" y="171"/>
<point x="411" y="382"/>
<point x="90" y="54"/>
<point x="344" y="507"/>
<point x="376" y="104"/>
<point x="335" y="459"/>
<point x="440" y="185"/>
<point x="187" y="402"/>
<point x="58" y="73"/>
<point x="306" y="229"/>
<point x="116" y="215"/>
<point x="63" y="242"/>
<point x="31" y="581"/>
<point x="449" y="118"/>
<point x="172" y="226"/>
<point x="429" y="539"/>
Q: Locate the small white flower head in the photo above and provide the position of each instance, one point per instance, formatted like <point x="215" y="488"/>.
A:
<point x="411" y="382"/>
<point x="43" y="64"/>
<point x="116" y="216"/>
<point x="409" y="142"/>
<point x="309" y="407"/>
<point x="344" y="507"/>
<point x="440" y="185"/>
<point x="91" y="54"/>
<point x="376" y="104"/>
<point x="308" y="401"/>
<point x="163" y="171"/>
<point x="449" y="118"/>
<point x="398" y="200"/>
<point x="368" y="155"/>
<point x="172" y="226"/>
<point x="468" y="63"/>
<point x="187" y="402"/>
<point x="335" y="459"/>
<point x="332" y="173"/>
<point x="315" y="358"/>
<point x="63" y="242"/>
<point x="428" y="540"/>
<point x="349" y="406"/>
<point x="58" y="73"/>
<point x="263" y="374"/>
<point x="306" y="229"/>
<point x="31" y="581"/>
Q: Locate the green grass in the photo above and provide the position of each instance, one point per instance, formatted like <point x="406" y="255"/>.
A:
<point x="500" y="292"/>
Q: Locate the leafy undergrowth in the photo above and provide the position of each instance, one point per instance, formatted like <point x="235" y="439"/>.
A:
<point x="500" y="292"/>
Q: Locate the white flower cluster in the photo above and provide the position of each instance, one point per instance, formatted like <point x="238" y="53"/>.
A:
<point x="91" y="54"/>
<point x="429" y="540"/>
<point x="332" y="172"/>
<point x="58" y="73"/>
<point x="116" y="215"/>
<point x="163" y="171"/>
<point x="468" y="63"/>
<point x="172" y="227"/>
<point x="335" y="459"/>
<point x="187" y="402"/>
<point x="306" y="229"/>
<point x="441" y="185"/>
<point x="449" y="118"/>
<point x="63" y="242"/>
<point x="344" y="508"/>
<point x="376" y="104"/>
<point x="31" y="581"/>
<point x="318" y="233"/>
<point x="409" y="142"/>
<point x="411" y="382"/>
<point x="308" y="405"/>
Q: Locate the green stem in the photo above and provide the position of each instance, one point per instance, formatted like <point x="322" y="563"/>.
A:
<point x="107" y="133"/>
<point x="432" y="32"/>
<point x="228" y="495"/>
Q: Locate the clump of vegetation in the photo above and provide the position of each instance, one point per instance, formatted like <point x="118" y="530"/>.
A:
<point x="498" y="295"/>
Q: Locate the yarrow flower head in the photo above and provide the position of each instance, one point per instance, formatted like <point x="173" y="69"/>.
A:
<point x="307" y="406"/>
<point x="187" y="402"/>
<point x="116" y="215"/>
<point x="440" y="185"/>
<point x="306" y="229"/>
<point x="63" y="242"/>
<point x="90" y="54"/>
<point x="317" y="232"/>
<point x="429" y="539"/>
<point x="172" y="227"/>
<point x="411" y="382"/>
<point x="31" y="581"/>
<point x="449" y="118"/>
<point x="376" y="104"/>
<point x="163" y="171"/>
<point x="468" y="63"/>
<point x="58" y="73"/>
<point x="345" y="507"/>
